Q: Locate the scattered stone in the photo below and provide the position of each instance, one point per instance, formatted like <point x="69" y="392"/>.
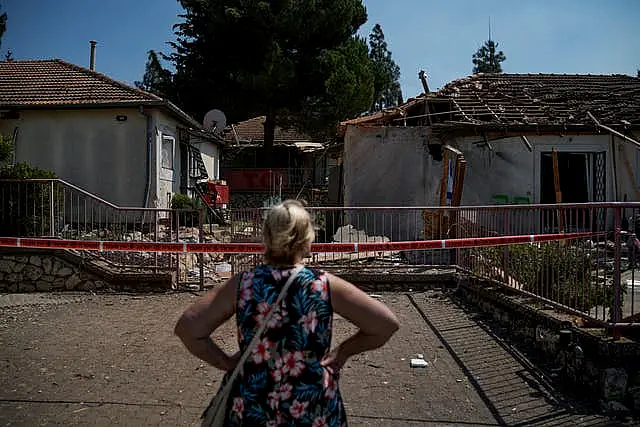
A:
<point x="65" y="272"/>
<point x="6" y="266"/>
<point x="26" y="287"/>
<point x="58" y="284"/>
<point x="72" y="282"/>
<point x="42" y="286"/>
<point x="57" y="265"/>
<point x="47" y="265"/>
<point x="18" y="267"/>
<point x="32" y="273"/>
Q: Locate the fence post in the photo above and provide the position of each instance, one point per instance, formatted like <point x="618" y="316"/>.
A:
<point x="51" y="210"/>
<point x="201" y="240"/>
<point x="616" y="315"/>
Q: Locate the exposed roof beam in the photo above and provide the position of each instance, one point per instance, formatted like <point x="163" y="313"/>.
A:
<point x="613" y="131"/>
<point x="526" y="143"/>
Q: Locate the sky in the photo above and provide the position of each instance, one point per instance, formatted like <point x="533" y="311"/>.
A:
<point x="438" y="36"/>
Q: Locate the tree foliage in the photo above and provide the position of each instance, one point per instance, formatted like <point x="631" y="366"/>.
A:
<point x="386" y="73"/>
<point x="156" y="79"/>
<point x="297" y="63"/>
<point x="6" y="149"/>
<point x="3" y="26"/>
<point x="488" y="59"/>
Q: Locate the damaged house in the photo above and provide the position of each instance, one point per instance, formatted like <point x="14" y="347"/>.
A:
<point x="507" y="127"/>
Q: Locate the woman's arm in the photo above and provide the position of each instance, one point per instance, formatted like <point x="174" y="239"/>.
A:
<point x="376" y="321"/>
<point x="198" y="322"/>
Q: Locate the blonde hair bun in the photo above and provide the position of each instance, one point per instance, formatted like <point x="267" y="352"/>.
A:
<point x="288" y="233"/>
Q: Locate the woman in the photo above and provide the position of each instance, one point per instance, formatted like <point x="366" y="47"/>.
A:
<point x="291" y="376"/>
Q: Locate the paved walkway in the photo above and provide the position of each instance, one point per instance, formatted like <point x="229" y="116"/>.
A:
<point x="112" y="359"/>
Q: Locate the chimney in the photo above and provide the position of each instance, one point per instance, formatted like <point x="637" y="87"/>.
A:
<point x="423" y="79"/>
<point x="92" y="63"/>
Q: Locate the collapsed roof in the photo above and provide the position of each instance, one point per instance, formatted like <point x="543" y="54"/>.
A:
<point x="517" y="102"/>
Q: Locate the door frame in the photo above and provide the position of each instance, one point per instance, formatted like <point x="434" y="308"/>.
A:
<point x="569" y="148"/>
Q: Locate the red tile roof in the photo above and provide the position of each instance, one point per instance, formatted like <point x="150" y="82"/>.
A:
<point x="252" y="130"/>
<point x="56" y="82"/>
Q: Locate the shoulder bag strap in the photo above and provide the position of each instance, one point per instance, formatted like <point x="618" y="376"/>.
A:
<point x="256" y="338"/>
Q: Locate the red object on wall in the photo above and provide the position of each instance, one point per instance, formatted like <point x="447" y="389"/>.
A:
<point x="216" y="194"/>
<point x="256" y="179"/>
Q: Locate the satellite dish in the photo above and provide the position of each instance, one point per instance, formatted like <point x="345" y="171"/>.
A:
<point x="215" y="121"/>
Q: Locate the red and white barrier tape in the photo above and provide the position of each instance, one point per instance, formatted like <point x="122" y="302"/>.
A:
<point x="255" y="248"/>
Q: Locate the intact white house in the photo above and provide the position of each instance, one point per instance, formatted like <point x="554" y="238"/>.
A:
<point x="127" y="146"/>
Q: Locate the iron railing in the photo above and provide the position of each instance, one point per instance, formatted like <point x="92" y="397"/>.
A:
<point x="593" y="277"/>
<point x="57" y="209"/>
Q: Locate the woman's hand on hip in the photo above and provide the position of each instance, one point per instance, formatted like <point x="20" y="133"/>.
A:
<point x="334" y="360"/>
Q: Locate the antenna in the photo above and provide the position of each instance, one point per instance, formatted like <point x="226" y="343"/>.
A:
<point x="215" y="121"/>
<point x="489" y="27"/>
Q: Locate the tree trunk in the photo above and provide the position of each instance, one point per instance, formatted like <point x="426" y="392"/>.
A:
<point x="269" y="137"/>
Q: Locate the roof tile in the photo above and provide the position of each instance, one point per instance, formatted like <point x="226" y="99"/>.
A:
<point x="56" y="83"/>
<point x="252" y="130"/>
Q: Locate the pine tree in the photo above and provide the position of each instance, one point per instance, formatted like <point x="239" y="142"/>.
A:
<point x="3" y="26"/>
<point x="279" y="59"/>
<point x="386" y="85"/>
<point x="487" y="59"/>
<point x="156" y="79"/>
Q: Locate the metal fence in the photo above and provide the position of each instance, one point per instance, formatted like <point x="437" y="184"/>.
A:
<point x="56" y="209"/>
<point x="592" y="277"/>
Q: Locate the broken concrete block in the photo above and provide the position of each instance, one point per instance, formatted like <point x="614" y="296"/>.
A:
<point x="419" y="363"/>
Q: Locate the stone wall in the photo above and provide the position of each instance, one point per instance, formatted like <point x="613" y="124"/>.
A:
<point x="42" y="273"/>
<point x="46" y="271"/>
<point x="586" y="359"/>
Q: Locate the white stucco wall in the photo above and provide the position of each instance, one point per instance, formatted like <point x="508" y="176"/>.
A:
<point x="629" y="181"/>
<point x="511" y="169"/>
<point x="211" y="158"/>
<point x="388" y="167"/>
<point x="88" y="148"/>
<point x="392" y="167"/>
<point x="166" y="181"/>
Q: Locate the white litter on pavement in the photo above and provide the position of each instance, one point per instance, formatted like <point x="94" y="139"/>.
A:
<point x="419" y="363"/>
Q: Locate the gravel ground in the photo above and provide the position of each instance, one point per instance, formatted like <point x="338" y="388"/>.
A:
<point x="94" y="360"/>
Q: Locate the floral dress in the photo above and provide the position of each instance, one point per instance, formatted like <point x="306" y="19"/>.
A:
<point x="283" y="383"/>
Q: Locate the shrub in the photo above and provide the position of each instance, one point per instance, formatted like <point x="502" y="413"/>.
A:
<point x="559" y="271"/>
<point x="183" y="202"/>
<point x="25" y="206"/>
<point x="6" y="149"/>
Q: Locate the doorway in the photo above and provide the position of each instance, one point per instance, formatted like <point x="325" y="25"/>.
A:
<point x="582" y="180"/>
<point x="573" y="171"/>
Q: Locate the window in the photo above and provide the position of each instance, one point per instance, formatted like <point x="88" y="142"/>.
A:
<point x="168" y="143"/>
